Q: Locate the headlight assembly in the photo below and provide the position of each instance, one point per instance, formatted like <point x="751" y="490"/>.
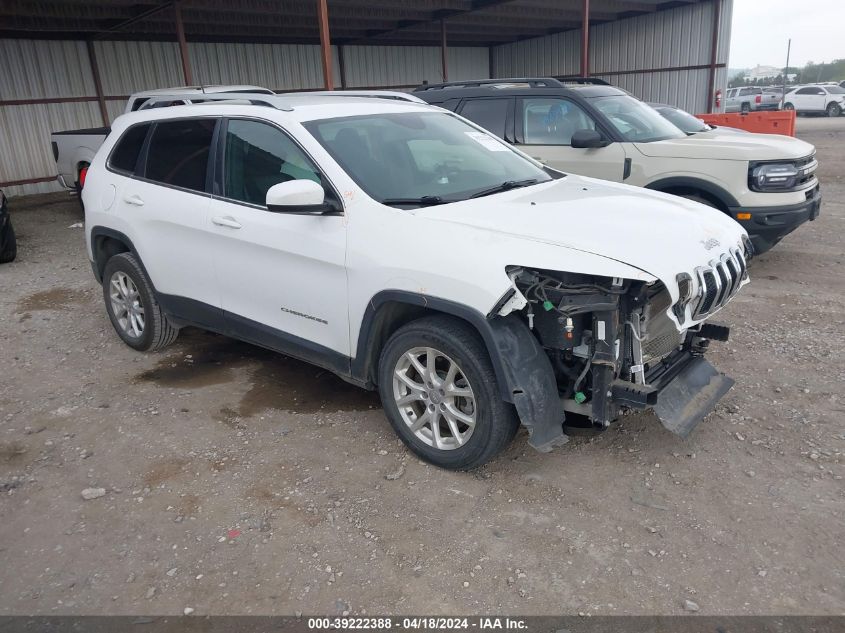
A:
<point x="773" y="177"/>
<point x="685" y="295"/>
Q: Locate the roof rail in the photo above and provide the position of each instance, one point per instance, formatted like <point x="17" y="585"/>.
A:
<point x="245" y="98"/>
<point x="534" y="82"/>
<point x="394" y="95"/>
<point x="587" y="81"/>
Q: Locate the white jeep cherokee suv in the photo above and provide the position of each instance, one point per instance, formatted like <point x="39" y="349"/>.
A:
<point x="405" y="249"/>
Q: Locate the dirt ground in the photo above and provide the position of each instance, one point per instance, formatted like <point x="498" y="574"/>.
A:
<point x="242" y="482"/>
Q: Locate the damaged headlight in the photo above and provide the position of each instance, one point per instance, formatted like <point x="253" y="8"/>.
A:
<point x="747" y="248"/>
<point x="685" y="295"/>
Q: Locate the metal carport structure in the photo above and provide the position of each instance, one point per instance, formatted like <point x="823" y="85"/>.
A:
<point x="70" y="63"/>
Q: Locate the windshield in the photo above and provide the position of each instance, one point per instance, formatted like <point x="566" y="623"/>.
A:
<point x="635" y="121"/>
<point x="427" y="157"/>
<point x="684" y="120"/>
<point x="836" y="90"/>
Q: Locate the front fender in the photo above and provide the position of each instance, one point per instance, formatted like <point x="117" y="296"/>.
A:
<point x="530" y="381"/>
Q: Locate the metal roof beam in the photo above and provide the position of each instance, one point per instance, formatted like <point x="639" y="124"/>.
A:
<point x="441" y="14"/>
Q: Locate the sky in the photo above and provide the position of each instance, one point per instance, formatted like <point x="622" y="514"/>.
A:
<point x="761" y="29"/>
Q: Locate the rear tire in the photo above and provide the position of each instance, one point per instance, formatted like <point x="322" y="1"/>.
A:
<point x="746" y="108"/>
<point x="132" y="307"/>
<point x="458" y="432"/>
<point x="834" y="110"/>
<point x="8" y="243"/>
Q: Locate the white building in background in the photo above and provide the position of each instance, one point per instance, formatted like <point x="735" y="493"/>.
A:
<point x="762" y="72"/>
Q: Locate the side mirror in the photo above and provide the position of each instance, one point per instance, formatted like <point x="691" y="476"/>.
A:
<point x="587" y="139"/>
<point x="302" y="197"/>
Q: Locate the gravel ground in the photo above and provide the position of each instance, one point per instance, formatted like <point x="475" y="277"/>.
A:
<point x="235" y="481"/>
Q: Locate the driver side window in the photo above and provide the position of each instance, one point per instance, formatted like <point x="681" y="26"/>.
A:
<point x="552" y="121"/>
<point x="258" y="156"/>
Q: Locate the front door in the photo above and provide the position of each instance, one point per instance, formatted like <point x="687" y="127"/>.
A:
<point x="544" y="129"/>
<point x="282" y="276"/>
<point x="732" y="100"/>
<point x="811" y="98"/>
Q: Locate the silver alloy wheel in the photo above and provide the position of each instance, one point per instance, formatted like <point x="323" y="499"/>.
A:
<point x="126" y="304"/>
<point x="434" y="398"/>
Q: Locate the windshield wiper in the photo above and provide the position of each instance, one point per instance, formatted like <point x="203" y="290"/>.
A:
<point x="505" y="186"/>
<point x="424" y="201"/>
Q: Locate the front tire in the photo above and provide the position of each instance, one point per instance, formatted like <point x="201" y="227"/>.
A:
<point x="834" y="110"/>
<point x="699" y="199"/>
<point x="788" y="106"/>
<point x="132" y="308"/>
<point x="440" y="394"/>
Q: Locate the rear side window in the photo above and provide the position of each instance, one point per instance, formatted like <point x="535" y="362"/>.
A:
<point x="490" y="114"/>
<point x="125" y="154"/>
<point x="179" y="151"/>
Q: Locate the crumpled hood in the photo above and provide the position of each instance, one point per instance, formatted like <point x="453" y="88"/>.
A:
<point x="660" y="234"/>
<point x="729" y="146"/>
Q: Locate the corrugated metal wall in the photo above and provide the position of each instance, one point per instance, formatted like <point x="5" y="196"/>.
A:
<point x="664" y="39"/>
<point x="557" y="54"/>
<point x="380" y="65"/>
<point x="42" y="69"/>
<point x="60" y="69"/>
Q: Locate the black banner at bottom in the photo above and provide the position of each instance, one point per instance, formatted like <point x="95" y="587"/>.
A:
<point x="378" y="624"/>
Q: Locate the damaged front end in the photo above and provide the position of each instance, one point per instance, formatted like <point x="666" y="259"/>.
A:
<point x="615" y="344"/>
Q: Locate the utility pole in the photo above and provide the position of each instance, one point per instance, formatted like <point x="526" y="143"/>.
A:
<point x="786" y="70"/>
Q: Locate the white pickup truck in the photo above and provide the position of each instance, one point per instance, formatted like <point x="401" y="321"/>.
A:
<point x="73" y="150"/>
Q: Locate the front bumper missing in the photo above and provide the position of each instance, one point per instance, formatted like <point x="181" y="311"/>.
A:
<point x="690" y="396"/>
<point x="682" y="393"/>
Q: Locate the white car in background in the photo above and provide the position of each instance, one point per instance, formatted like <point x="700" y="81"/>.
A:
<point x="817" y="99"/>
<point x="410" y="251"/>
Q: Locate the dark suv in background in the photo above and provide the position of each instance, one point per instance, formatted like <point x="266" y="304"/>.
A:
<point x="8" y="243"/>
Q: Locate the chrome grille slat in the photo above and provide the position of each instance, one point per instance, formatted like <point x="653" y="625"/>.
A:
<point x="719" y="282"/>
<point x="724" y="281"/>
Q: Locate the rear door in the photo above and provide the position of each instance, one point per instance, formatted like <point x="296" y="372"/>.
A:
<point x="494" y="114"/>
<point x="165" y="205"/>
<point x="544" y="129"/>
<point x="282" y="276"/>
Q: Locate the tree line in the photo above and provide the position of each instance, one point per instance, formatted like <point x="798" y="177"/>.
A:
<point x="810" y="73"/>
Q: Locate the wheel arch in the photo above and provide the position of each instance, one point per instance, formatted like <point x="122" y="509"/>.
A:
<point x="681" y="185"/>
<point x="523" y="370"/>
<point x="389" y="310"/>
<point x="105" y="244"/>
